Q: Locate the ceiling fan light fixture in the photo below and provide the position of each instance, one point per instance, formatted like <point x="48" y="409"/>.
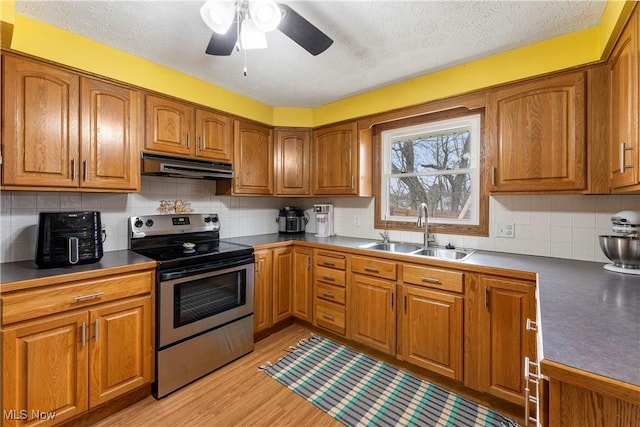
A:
<point x="218" y="14"/>
<point x="251" y="37"/>
<point x="265" y="14"/>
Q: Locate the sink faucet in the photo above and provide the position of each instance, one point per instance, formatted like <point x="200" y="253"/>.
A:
<point x="424" y="210"/>
<point x="385" y="235"/>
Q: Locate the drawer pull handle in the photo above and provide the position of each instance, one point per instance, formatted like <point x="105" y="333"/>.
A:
<point x="371" y="269"/>
<point x="430" y="280"/>
<point x="531" y="325"/>
<point x="328" y="316"/>
<point x="329" y="263"/>
<point x="327" y="277"/>
<point x="89" y="296"/>
<point x="328" y="294"/>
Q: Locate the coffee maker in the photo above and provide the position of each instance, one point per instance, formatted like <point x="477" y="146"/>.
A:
<point x="324" y="220"/>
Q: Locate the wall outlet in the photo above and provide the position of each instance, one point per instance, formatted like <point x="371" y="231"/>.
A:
<point x="506" y="230"/>
<point x="356" y="220"/>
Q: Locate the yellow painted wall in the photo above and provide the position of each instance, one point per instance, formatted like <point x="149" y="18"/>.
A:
<point x="55" y="44"/>
<point x="52" y="43"/>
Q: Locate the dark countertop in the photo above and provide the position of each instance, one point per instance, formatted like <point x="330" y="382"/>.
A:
<point x="28" y="272"/>
<point x="589" y="317"/>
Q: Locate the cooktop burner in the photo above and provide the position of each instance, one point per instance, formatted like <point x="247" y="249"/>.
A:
<point x="177" y="252"/>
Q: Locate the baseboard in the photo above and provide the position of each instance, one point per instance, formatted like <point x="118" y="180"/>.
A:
<point x="109" y="408"/>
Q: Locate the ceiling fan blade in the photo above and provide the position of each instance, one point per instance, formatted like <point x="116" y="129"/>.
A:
<point x="223" y="44"/>
<point x="303" y="32"/>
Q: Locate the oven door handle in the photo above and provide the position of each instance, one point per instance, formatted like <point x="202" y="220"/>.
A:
<point x="191" y="271"/>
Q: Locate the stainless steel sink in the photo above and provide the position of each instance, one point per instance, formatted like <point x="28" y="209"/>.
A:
<point x="404" y="248"/>
<point x="454" y="254"/>
<point x="410" y="249"/>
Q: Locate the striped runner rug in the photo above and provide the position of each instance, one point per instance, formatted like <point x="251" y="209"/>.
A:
<point x="358" y="390"/>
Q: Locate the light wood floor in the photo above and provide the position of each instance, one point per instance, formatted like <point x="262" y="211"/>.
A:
<point x="234" y="395"/>
<point x="240" y="395"/>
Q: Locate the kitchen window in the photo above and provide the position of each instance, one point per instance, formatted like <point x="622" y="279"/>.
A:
<point x="434" y="161"/>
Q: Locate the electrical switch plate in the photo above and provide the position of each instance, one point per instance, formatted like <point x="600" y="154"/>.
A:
<point x="356" y="220"/>
<point x="506" y="229"/>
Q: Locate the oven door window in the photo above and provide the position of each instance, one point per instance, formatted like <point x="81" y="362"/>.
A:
<point x="198" y="299"/>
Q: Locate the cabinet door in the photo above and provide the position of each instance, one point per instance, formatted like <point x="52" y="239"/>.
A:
<point x="44" y="368"/>
<point x="507" y="305"/>
<point x="302" y="284"/>
<point x="110" y="131"/>
<point x="282" y="291"/>
<point x="335" y="160"/>
<point x="253" y="158"/>
<point x="431" y="324"/>
<point x="169" y="126"/>
<point x="625" y="159"/>
<point x="292" y="162"/>
<point x="121" y="349"/>
<point x="262" y="306"/>
<point x="213" y="133"/>
<point x="39" y="125"/>
<point x="372" y="312"/>
<point x="537" y="132"/>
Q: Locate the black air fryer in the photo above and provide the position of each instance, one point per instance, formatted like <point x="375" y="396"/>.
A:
<point x="68" y="238"/>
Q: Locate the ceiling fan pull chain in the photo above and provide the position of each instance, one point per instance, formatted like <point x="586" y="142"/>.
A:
<point x="245" y="63"/>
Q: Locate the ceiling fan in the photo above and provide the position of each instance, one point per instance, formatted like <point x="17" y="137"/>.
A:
<point x="242" y="24"/>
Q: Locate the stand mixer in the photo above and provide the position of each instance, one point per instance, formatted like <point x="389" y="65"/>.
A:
<point x="623" y="247"/>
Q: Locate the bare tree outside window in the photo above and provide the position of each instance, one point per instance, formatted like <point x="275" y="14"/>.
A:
<point x="421" y="171"/>
<point x="436" y="167"/>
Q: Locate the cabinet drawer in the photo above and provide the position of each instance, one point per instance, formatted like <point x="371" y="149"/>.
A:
<point x="23" y="305"/>
<point x="329" y="275"/>
<point x="331" y="293"/>
<point x="373" y="267"/>
<point x="331" y="261"/>
<point x="331" y="316"/>
<point x="433" y="277"/>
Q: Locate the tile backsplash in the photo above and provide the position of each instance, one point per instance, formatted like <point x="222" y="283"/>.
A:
<point x="563" y="226"/>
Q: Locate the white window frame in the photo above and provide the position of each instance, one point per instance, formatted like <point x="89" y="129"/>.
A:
<point x="471" y="122"/>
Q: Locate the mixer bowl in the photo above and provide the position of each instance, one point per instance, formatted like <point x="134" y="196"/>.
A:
<point x="623" y="251"/>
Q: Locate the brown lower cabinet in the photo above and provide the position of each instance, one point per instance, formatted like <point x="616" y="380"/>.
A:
<point x="262" y="294"/>
<point x="302" y="283"/>
<point x="97" y="348"/>
<point x="496" y="338"/>
<point x="272" y="287"/>
<point x="431" y="324"/>
<point x="578" y="399"/>
<point x="330" y="291"/>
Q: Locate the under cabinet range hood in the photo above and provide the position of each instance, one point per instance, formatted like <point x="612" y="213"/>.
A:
<point x="178" y="167"/>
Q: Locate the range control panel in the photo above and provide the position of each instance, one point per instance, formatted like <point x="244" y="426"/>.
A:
<point x="160" y="225"/>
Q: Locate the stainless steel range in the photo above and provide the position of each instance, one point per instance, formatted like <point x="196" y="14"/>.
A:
<point x="204" y="295"/>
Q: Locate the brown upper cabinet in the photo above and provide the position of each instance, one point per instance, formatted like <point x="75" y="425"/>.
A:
<point x="176" y="127"/>
<point x="293" y="162"/>
<point x="537" y="135"/>
<point x="341" y="161"/>
<point x="214" y="138"/>
<point x="252" y="160"/>
<point x="67" y="132"/>
<point x="624" y="142"/>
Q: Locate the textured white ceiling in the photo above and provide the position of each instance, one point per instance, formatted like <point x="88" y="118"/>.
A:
<point x="376" y="42"/>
